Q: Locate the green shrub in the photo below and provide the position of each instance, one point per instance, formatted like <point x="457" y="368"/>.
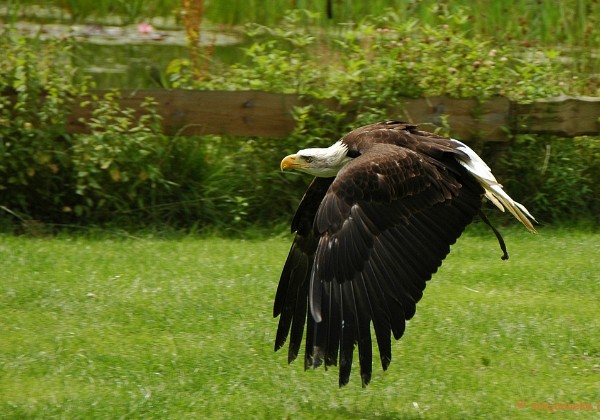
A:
<point x="38" y="84"/>
<point x="117" y="168"/>
<point x="51" y="176"/>
<point x="557" y="178"/>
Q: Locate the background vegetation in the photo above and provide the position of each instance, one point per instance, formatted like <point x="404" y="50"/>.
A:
<point x="569" y="22"/>
<point x="127" y="172"/>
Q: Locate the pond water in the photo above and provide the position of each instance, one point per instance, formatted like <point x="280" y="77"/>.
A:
<point x="138" y="66"/>
<point x="135" y="56"/>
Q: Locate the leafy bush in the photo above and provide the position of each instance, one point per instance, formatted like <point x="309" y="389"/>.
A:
<point x="38" y="86"/>
<point x="117" y="167"/>
<point x="49" y="175"/>
<point x="557" y="178"/>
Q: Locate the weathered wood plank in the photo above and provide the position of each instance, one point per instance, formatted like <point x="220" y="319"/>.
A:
<point x="564" y="116"/>
<point x="187" y="112"/>
<point x="255" y="113"/>
<point x="467" y="118"/>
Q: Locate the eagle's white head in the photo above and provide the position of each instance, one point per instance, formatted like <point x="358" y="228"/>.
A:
<point x="321" y="162"/>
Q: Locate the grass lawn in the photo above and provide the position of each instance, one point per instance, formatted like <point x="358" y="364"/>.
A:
<point x="108" y="327"/>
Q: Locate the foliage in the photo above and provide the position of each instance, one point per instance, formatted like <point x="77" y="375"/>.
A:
<point x="48" y="174"/>
<point x="110" y="326"/>
<point x="127" y="171"/>
<point x="38" y="85"/>
<point x="379" y="60"/>
<point x="118" y="166"/>
<point x="571" y="22"/>
<point x="556" y="177"/>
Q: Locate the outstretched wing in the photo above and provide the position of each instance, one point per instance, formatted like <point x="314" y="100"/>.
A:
<point x="291" y="299"/>
<point x="382" y="229"/>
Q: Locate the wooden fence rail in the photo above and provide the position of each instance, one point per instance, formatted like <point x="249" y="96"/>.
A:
<point x="254" y="113"/>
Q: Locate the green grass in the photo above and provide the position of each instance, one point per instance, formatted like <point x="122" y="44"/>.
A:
<point x="108" y="327"/>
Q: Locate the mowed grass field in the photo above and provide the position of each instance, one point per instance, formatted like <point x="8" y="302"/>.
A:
<point x="102" y="326"/>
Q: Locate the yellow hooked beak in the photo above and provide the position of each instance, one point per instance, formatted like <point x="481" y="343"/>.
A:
<point x="293" y="162"/>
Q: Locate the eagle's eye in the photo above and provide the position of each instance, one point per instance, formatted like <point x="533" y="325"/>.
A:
<point x="308" y="159"/>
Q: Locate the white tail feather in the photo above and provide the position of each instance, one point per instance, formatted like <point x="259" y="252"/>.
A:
<point x="493" y="189"/>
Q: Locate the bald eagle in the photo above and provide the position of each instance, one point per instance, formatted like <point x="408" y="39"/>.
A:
<point x="386" y="203"/>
